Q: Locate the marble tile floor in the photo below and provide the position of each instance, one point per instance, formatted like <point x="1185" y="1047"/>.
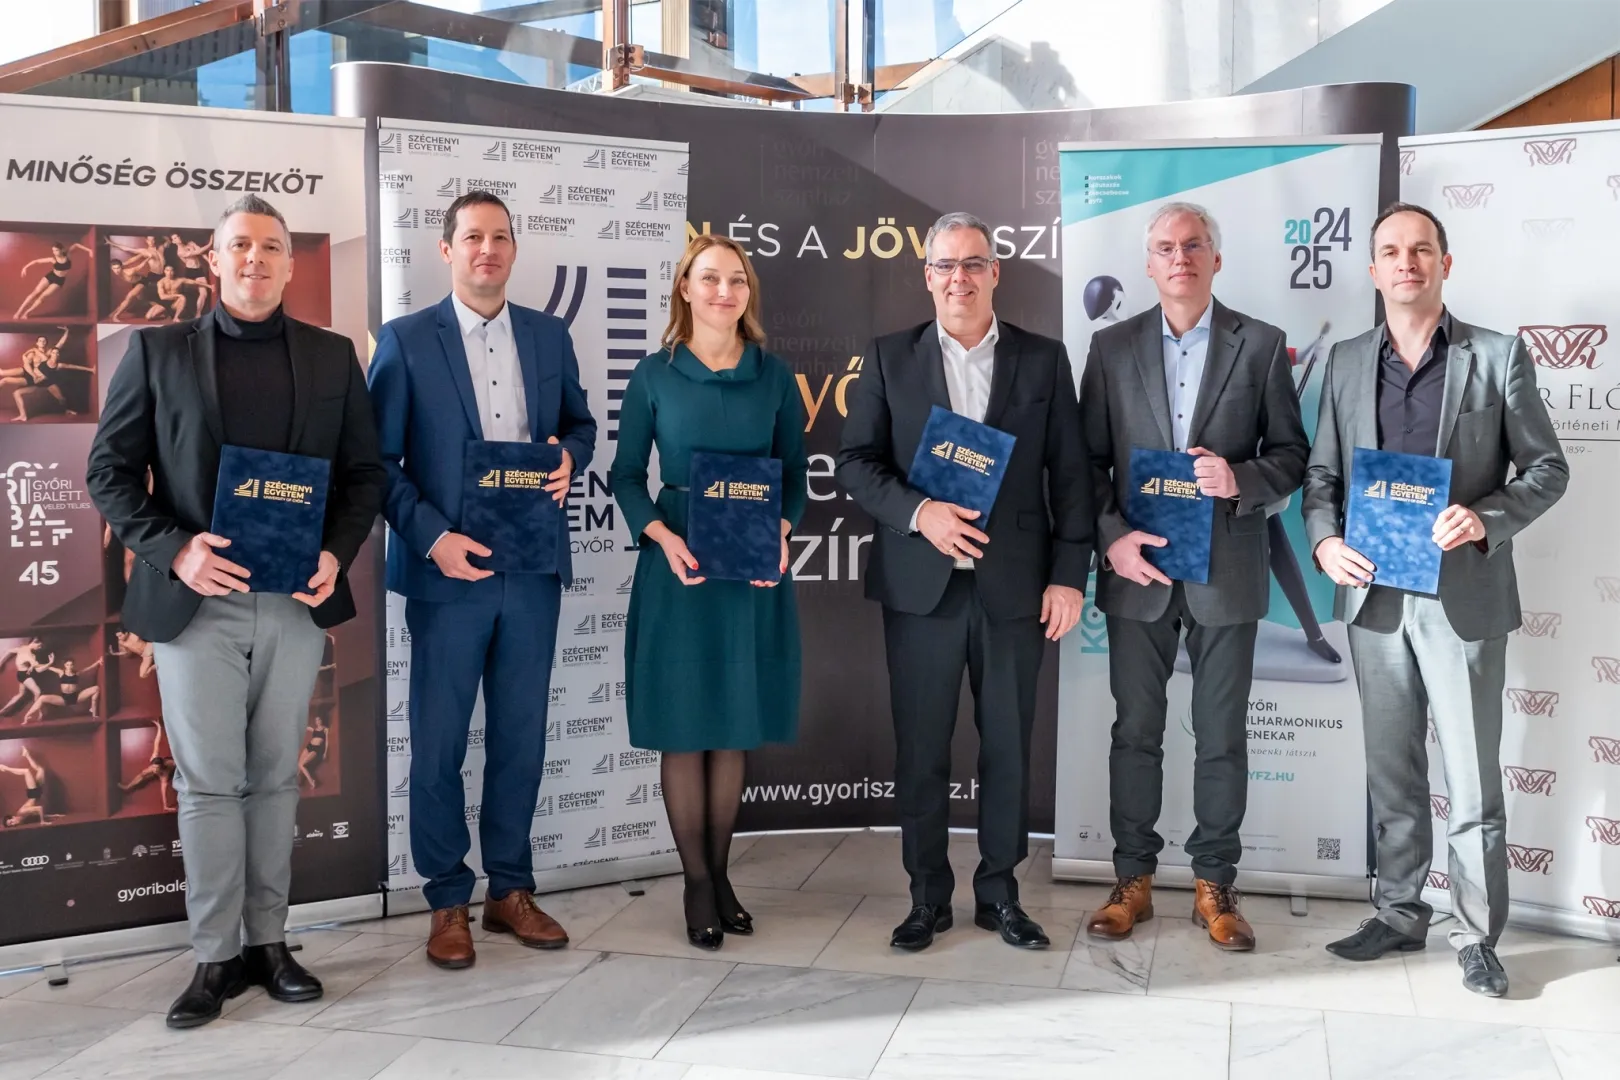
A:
<point x="817" y="992"/>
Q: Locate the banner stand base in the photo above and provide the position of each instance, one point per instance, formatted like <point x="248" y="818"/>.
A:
<point x="1270" y="882"/>
<point x="170" y="937"/>
<point x="609" y="872"/>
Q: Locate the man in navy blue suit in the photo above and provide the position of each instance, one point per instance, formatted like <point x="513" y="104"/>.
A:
<point x="475" y="367"/>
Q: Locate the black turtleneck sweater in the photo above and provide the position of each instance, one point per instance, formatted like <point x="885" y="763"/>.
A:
<point x="255" y="380"/>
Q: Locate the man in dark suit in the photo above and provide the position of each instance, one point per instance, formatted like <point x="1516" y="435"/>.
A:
<point x="963" y="594"/>
<point x="1190" y="375"/>
<point x="1425" y="382"/>
<point x="236" y="668"/>
<point x="475" y="367"/>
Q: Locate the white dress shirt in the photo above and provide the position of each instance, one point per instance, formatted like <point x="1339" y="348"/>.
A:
<point x="967" y="379"/>
<point x="497" y="377"/>
<point x="1184" y="371"/>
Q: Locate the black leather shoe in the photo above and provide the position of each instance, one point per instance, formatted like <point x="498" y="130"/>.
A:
<point x="211" y="986"/>
<point x="1009" y="920"/>
<point x="917" y="932"/>
<point x="1375" y="938"/>
<point x="283" y="978"/>
<point x="1482" y="971"/>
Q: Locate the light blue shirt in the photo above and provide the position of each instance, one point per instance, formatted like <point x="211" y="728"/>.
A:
<point x="1184" y="371"/>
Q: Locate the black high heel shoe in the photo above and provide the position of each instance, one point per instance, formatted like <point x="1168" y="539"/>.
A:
<point x="710" y="937"/>
<point x="738" y="921"/>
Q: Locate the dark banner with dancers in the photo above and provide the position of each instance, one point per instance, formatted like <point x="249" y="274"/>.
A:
<point x="88" y="256"/>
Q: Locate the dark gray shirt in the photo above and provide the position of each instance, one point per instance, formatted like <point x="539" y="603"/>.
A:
<point x="1409" y="398"/>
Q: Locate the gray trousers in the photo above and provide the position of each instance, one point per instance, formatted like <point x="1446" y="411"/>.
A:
<point x="1409" y="663"/>
<point x="1141" y="660"/>
<point x="236" y="686"/>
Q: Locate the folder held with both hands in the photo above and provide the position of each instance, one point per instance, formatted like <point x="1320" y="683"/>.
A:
<point x="272" y="508"/>
<point x="505" y="505"/>
<point x="1394" y="502"/>
<point x="734" y="517"/>
<point x="1165" y="500"/>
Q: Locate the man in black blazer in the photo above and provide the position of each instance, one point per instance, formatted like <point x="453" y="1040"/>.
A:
<point x="963" y="594"/>
<point x="236" y="668"/>
<point x="1189" y="375"/>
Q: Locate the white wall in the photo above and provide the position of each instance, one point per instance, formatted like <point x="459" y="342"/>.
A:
<point x="1471" y="60"/>
<point x="1050" y="54"/>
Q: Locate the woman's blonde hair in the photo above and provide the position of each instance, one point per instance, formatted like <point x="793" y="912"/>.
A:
<point x="680" y="312"/>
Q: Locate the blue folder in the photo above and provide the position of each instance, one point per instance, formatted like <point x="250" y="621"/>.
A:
<point x="734" y="517"/>
<point x="505" y="506"/>
<point x="1165" y="501"/>
<point x="272" y="508"/>
<point x="960" y="461"/>
<point x="1394" y="502"/>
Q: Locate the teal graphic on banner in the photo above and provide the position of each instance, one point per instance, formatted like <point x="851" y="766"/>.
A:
<point x="1116" y="179"/>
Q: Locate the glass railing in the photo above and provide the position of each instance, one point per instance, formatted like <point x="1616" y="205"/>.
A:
<point x="781" y="51"/>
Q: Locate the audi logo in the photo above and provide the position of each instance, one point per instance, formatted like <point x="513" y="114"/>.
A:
<point x="37" y="860"/>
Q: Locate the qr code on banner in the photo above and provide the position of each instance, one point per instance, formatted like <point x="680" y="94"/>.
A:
<point x="1327" y="849"/>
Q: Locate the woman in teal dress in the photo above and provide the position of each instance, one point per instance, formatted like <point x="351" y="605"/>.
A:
<point x="711" y="667"/>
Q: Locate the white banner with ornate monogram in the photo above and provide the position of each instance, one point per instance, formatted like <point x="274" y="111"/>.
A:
<point x="600" y="224"/>
<point x="1531" y="215"/>
<point x="1294" y="215"/>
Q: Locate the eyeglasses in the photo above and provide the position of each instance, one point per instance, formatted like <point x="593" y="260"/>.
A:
<point x="1192" y="249"/>
<point x="976" y="265"/>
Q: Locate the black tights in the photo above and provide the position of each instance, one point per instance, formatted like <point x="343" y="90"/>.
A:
<point x="702" y="794"/>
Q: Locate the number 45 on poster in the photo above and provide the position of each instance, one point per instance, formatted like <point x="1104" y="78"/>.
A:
<point x="40" y="573"/>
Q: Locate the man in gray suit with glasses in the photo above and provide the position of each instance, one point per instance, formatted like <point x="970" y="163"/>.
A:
<point x="1190" y="374"/>
<point x="1426" y="382"/>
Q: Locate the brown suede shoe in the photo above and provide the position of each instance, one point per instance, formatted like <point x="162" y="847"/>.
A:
<point x="516" y="913"/>
<point x="1216" y="909"/>
<point x="1131" y="902"/>
<point x="450" y="943"/>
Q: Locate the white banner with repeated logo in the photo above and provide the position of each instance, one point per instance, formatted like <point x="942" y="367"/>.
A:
<point x="1294" y="216"/>
<point x="600" y="224"/>
<point x="1530" y="214"/>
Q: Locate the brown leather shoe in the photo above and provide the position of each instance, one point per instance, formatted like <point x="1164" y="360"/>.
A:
<point x="450" y="943"/>
<point x="516" y="913"/>
<point x="1131" y="902"/>
<point x="1215" y="908"/>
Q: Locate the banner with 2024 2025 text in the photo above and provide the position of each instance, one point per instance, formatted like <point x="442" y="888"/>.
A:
<point x="1294" y="217"/>
<point x="600" y="225"/>
<point x="1529" y="213"/>
<point x="109" y="212"/>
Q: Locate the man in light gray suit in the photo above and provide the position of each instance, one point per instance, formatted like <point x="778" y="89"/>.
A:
<point x="1190" y="375"/>
<point x="1428" y="383"/>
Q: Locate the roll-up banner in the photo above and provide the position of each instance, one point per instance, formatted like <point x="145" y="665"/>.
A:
<point x="109" y="211"/>
<point x="1529" y="214"/>
<point x="600" y="225"/>
<point x="1294" y="217"/>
